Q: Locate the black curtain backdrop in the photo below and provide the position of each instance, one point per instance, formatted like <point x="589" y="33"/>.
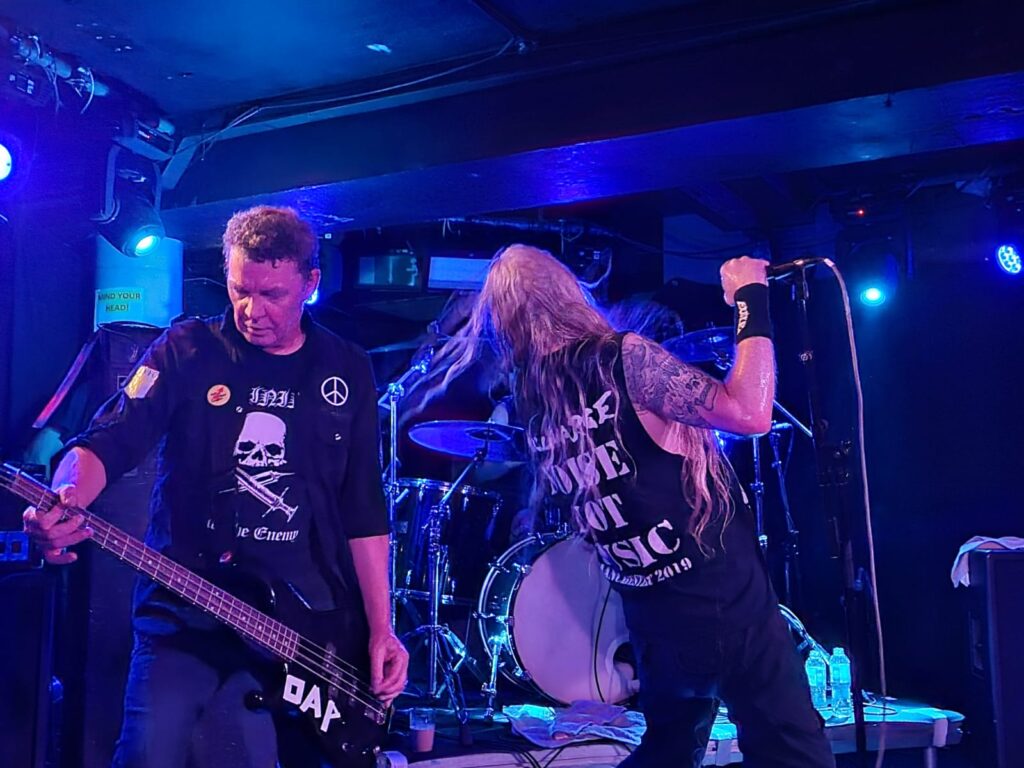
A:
<point x="46" y="258"/>
<point x="940" y="365"/>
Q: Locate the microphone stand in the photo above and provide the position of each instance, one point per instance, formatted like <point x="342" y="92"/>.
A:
<point x="832" y="462"/>
<point x="395" y="495"/>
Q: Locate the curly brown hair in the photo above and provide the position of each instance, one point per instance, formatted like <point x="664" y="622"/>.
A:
<point x="269" y="233"/>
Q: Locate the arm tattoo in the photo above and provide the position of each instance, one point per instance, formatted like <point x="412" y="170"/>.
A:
<point x="658" y="382"/>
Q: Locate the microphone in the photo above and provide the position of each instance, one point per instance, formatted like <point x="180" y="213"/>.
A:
<point x="786" y="268"/>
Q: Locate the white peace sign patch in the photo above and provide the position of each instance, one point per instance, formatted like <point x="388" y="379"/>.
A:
<point x="334" y="390"/>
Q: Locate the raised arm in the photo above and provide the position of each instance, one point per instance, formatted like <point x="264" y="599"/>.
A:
<point x="661" y="384"/>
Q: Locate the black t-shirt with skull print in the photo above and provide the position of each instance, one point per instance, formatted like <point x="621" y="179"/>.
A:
<point x="267" y="506"/>
<point x="269" y="461"/>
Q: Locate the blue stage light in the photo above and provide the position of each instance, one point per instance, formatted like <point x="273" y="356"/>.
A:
<point x="1009" y="259"/>
<point x="134" y="226"/>
<point x="146" y="244"/>
<point x="872" y="296"/>
<point x="314" y="296"/>
<point x="6" y="162"/>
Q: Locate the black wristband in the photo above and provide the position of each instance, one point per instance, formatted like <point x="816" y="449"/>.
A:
<point x="752" y="318"/>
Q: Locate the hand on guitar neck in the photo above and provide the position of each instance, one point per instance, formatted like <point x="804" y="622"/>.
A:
<point x="78" y="480"/>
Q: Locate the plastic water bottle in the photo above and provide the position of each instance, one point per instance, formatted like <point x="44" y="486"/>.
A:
<point x="816" y="678"/>
<point x="842" y="703"/>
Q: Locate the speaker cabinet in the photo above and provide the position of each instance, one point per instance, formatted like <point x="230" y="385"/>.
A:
<point x="996" y="635"/>
<point x="94" y="640"/>
<point x="29" y="704"/>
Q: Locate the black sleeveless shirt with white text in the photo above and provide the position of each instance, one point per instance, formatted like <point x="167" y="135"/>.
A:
<point x="638" y="520"/>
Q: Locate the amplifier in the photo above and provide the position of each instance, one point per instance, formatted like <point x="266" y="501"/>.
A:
<point x="16" y="550"/>
<point x="996" y="627"/>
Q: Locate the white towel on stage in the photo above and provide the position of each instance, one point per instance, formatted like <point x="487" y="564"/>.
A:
<point x="960" y="573"/>
<point x="582" y="721"/>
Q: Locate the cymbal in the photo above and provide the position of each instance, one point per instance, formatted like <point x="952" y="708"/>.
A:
<point x="706" y="345"/>
<point x="500" y="442"/>
<point x="401" y="346"/>
<point x="777" y="426"/>
<point x="398" y="346"/>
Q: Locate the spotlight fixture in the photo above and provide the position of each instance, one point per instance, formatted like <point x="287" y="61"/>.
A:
<point x="1008" y="258"/>
<point x="872" y="296"/>
<point x="6" y="162"/>
<point x="134" y="226"/>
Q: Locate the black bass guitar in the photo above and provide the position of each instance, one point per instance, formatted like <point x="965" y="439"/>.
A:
<point x="326" y="662"/>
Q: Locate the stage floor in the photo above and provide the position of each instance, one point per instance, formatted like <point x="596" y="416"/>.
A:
<point x="907" y="725"/>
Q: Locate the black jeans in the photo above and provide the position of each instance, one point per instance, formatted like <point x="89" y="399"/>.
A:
<point x="757" y="673"/>
<point x="185" y="707"/>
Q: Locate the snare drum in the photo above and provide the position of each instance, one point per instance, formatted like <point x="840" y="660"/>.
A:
<point x="553" y="623"/>
<point x="474" y="530"/>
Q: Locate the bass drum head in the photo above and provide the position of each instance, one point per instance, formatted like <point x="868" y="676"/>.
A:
<point x="567" y="625"/>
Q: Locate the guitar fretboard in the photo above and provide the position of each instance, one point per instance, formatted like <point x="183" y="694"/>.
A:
<point x="246" y="620"/>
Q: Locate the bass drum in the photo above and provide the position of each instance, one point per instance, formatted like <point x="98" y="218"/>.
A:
<point x="553" y="623"/>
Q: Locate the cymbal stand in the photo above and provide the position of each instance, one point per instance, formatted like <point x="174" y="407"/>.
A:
<point x="445" y="651"/>
<point x="757" y="488"/>
<point x="791" y="586"/>
<point x="393" y="494"/>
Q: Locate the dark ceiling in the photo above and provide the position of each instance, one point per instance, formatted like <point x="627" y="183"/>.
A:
<point x="194" y="56"/>
<point x="745" y="114"/>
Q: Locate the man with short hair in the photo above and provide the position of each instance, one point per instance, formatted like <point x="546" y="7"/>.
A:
<point x="267" y="427"/>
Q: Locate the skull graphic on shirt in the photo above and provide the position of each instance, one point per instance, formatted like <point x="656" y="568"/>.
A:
<point x="261" y="441"/>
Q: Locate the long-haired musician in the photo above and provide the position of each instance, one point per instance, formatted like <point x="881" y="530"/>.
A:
<point x="621" y="432"/>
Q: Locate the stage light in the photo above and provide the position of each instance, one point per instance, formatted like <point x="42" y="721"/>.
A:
<point x="1008" y="258"/>
<point x="872" y="296"/>
<point x="6" y="162"/>
<point x="134" y="228"/>
<point x="146" y="244"/>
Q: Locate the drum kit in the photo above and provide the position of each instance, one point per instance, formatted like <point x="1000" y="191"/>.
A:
<point x="452" y="550"/>
<point x="539" y="612"/>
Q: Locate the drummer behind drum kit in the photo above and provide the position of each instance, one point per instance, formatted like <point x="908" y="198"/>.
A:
<point x="547" y="621"/>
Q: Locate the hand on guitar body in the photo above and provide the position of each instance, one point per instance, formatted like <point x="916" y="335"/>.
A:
<point x="56" y="529"/>
<point x="389" y="666"/>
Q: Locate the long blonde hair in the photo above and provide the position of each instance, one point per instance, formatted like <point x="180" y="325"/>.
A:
<point x="536" y="316"/>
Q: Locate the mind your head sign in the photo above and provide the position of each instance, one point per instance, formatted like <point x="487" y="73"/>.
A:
<point x="140" y="289"/>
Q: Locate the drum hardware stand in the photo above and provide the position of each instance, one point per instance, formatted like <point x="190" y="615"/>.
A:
<point x="495" y="643"/>
<point x="490" y="687"/>
<point x="757" y="487"/>
<point x="445" y="651"/>
<point x="393" y="494"/>
<point x="832" y="459"/>
<point x="791" y="584"/>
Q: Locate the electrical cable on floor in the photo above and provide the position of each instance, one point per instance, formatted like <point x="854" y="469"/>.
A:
<point x="547" y="763"/>
<point x="597" y="641"/>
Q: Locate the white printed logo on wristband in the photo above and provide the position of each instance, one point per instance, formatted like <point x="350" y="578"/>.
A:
<point x="744" y="315"/>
